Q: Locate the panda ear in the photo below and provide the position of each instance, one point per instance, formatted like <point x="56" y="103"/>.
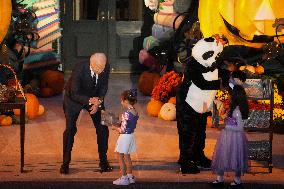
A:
<point x="209" y="39"/>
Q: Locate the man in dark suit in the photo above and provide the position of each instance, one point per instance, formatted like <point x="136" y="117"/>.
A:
<point x="86" y="89"/>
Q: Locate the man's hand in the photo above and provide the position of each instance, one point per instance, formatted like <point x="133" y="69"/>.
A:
<point x="94" y="101"/>
<point x="93" y="109"/>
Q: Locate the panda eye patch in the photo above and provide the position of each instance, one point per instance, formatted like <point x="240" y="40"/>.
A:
<point x="209" y="39"/>
<point x="207" y="55"/>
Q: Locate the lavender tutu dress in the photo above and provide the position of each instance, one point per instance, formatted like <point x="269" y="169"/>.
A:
<point x="231" y="151"/>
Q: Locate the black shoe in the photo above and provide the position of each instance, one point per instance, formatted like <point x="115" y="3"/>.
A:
<point x="64" y="169"/>
<point x="105" y="167"/>
<point x="216" y="184"/>
<point x="189" y="168"/>
<point x="204" y="163"/>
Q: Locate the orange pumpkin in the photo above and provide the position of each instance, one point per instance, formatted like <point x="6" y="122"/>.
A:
<point x="32" y="106"/>
<point x="40" y="110"/>
<point x="259" y="69"/>
<point x="52" y="79"/>
<point x="47" y="92"/>
<point x="154" y="107"/>
<point x="242" y="68"/>
<point x="147" y="81"/>
<point x="251" y="69"/>
<point x="16" y="112"/>
<point x="172" y="100"/>
<point x="5" y="120"/>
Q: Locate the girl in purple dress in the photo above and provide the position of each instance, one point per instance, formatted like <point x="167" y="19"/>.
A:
<point x="126" y="142"/>
<point x="231" y="151"/>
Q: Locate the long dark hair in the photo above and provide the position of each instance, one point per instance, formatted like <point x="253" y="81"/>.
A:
<point x="239" y="98"/>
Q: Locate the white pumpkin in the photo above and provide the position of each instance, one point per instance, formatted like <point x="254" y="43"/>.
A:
<point x="168" y="112"/>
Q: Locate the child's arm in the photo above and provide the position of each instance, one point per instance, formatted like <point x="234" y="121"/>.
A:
<point x="122" y="126"/>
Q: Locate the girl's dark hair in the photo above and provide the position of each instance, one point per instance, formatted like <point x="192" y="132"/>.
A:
<point x="239" y="98"/>
<point x="130" y="96"/>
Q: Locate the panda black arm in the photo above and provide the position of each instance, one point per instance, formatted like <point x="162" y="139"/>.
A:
<point x="200" y="82"/>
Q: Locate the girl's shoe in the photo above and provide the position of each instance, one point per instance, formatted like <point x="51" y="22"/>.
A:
<point x="131" y="180"/>
<point x="234" y="184"/>
<point x="217" y="183"/>
<point x="124" y="180"/>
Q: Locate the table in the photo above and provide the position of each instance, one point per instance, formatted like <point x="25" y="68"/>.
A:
<point x="18" y="104"/>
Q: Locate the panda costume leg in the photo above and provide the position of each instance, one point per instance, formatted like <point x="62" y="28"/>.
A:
<point x="194" y="99"/>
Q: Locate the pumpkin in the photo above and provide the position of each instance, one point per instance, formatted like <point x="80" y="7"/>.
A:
<point x="259" y="69"/>
<point x="40" y="110"/>
<point x="241" y="21"/>
<point x="251" y="69"/>
<point x="32" y="106"/>
<point x="172" y="100"/>
<point x="47" y="92"/>
<point x="154" y="107"/>
<point x="5" y="120"/>
<point x="147" y="81"/>
<point x="209" y="121"/>
<point x="16" y="112"/>
<point x="242" y="68"/>
<point x="5" y="17"/>
<point x="54" y="80"/>
<point x="168" y="112"/>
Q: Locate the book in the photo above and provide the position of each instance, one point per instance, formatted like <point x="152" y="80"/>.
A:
<point x="48" y="39"/>
<point x="47" y="20"/>
<point x="41" y="64"/>
<point x="49" y="29"/>
<point x="45" y="48"/>
<point x="43" y="4"/>
<point x="45" y="11"/>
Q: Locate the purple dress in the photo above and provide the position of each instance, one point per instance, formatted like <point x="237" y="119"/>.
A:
<point x="231" y="150"/>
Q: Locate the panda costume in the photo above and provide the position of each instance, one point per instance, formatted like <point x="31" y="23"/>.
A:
<point x="194" y="102"/>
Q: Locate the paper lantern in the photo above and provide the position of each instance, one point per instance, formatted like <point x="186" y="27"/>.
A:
<point x="243" y="22"/>
<point x="5" y="17"/>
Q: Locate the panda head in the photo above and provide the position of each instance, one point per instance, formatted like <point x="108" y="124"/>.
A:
<point x="206" y="50"/>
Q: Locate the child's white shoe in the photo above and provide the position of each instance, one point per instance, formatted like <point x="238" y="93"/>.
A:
<point x="124" y="180"/>
<point x="131" y="179"/>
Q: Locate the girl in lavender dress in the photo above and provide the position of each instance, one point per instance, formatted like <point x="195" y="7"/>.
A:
<point x="126" y="142"/>
<point x="231" y="151"/>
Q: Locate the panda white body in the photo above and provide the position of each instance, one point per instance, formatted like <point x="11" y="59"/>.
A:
<point x="202" y="100"/>
<point x="205" y="53"/>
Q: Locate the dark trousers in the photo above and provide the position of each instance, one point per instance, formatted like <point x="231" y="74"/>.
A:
<point x="72" y="111"/>
<point x="192" y="133"/>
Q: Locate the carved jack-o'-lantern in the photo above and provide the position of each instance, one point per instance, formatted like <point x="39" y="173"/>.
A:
<point x="243" y="22"/>
<point x="5" y="17"/>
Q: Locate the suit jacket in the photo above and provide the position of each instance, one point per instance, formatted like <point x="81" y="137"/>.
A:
<point x="80" y="86"/>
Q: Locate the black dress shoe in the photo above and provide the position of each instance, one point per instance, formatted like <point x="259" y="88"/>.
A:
<point x="217" y="183"/>
<point x="189" y="168"/>
<point x="105" y="167"/>
<point x="64" y="169"/>
<point x="204" y="163"/>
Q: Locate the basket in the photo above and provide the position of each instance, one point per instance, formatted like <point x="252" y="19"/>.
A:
<point x="8" y="93"/>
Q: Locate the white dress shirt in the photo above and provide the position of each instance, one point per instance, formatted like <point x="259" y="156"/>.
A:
<point x="94" y="74"/>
